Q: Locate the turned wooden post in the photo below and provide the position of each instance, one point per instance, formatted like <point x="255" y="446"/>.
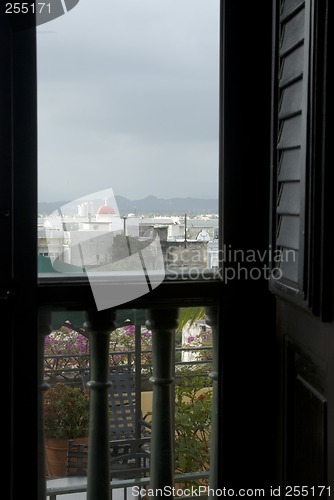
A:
<point x="163" y="323"/>
<point x="99" y="325"/>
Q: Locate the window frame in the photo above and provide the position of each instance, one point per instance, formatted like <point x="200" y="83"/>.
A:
<point x="246" y="363"/>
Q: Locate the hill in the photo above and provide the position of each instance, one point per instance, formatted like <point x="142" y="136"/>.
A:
<point x="151" y="205"/>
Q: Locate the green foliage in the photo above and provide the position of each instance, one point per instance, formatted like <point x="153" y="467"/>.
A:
<point x="193" y="402"/>
<point x="66" y="412"/>
<point x="188" y="315"/>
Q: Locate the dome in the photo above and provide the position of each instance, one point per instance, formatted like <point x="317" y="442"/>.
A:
<point x="105" y="210"/>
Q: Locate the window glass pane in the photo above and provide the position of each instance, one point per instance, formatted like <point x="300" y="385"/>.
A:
<point x="128" y="120"/>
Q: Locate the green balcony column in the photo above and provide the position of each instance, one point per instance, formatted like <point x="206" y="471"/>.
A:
<point x="163" y="323"/>
<point x="99" y="325"/>
<point x="212" y="321"/>
<point x="44" y="328"/>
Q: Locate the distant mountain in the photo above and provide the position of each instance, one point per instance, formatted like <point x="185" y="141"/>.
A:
<point x="47" y="207"/>
<point x="151" y="205"/>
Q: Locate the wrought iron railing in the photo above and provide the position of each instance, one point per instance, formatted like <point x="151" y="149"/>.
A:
<point x="79" y="363"/>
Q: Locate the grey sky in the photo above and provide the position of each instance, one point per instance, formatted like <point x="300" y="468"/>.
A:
<point x="128" y="99"/>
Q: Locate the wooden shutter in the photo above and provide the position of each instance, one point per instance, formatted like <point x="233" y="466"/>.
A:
<point x="289" y="151"/>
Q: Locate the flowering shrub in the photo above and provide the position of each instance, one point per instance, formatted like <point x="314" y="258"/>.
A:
<point x="123" y="339"/>
<point x="66" y="412"/>
<point x="65" y="350"/>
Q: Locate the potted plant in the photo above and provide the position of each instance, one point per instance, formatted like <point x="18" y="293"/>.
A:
<point x="66" y="416"/>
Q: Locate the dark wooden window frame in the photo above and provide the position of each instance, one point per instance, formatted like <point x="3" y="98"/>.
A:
<point x="246" y="363"/>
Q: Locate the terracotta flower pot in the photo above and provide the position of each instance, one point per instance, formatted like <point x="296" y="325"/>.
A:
<point x="56" y="455"/>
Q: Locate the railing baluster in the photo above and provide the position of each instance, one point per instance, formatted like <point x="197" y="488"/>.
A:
<point x="212" y="321"/>
<point x="99" y="325"/>
<point x="163" y="323"/>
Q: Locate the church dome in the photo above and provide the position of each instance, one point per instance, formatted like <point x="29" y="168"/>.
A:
<point x="105" y="210"/>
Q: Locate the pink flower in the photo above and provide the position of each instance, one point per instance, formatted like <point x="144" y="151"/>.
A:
<point x="130" y="329"/>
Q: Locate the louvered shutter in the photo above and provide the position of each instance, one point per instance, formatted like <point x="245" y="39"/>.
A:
<point x="289" y="152"/>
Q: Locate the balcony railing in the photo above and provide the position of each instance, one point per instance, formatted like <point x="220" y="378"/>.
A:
<point x="163" y="323"/>
<point x="79" y="363"/>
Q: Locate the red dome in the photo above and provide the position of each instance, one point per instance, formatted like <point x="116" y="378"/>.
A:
<point x="105" y="209"/>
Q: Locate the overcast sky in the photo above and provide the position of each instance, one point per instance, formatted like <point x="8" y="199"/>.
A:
<point x="128" y="99"/>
